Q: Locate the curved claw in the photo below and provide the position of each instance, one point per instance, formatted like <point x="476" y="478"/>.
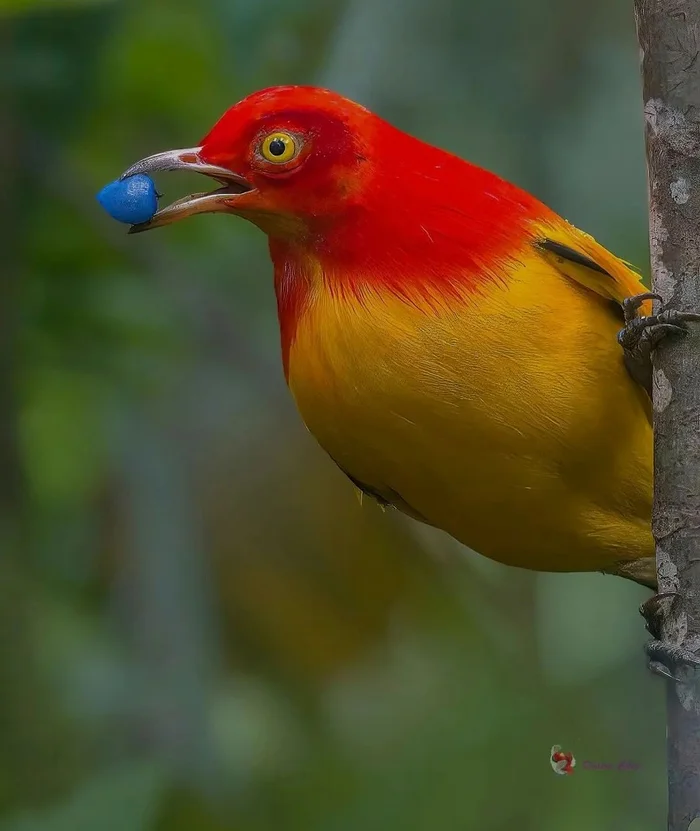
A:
<point x="665" y="660"/>
<point x="630" y="305"/>
<point x="659" y="669"/>
<point x="640" y="335"/>
<point x="671" y="654"/>
<point x="673" y="316"/>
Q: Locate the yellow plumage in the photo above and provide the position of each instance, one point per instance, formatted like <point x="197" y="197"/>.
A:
<point x="504" y="416"/>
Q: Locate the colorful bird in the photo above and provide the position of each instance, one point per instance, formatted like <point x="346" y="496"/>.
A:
<point x="450" y="341"/>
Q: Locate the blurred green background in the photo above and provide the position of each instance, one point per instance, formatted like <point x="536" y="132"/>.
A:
<point x="200" y="627"/>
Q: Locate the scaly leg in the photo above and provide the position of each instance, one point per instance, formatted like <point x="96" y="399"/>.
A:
<point x="665" y="658"/>
<point x="641" y="334"/>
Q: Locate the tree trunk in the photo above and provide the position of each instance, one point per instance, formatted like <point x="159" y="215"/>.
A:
<point x="669" y="37"/>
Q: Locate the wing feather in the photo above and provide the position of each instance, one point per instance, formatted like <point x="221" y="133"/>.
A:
<point x="583" y="260"/>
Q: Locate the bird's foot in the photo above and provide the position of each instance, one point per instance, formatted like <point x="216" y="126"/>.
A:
<point x="666" y="659"/>
<point x="641" y="334"/>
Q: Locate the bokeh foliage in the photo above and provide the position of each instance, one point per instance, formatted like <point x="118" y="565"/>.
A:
<point x="200" y="627"/>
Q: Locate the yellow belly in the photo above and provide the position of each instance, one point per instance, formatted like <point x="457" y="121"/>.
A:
<point x="505" y="418"/>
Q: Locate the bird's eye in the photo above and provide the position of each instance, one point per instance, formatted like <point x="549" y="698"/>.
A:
<point x="278" y="148"/>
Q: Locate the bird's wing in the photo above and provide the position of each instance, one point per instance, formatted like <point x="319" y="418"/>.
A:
<point x="385" y="497"/>
<point x="580" y="258"/>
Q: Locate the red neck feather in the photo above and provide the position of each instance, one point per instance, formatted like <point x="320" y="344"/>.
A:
<point x="421" y="221"/>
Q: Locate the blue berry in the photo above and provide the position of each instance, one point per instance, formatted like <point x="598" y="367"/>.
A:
<point x="133" y="200"/>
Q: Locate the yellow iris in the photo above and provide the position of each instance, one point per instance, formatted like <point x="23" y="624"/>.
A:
<point x="278" y="148"/>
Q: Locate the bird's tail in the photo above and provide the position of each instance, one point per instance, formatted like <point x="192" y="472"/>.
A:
<point x="642" y="571"/>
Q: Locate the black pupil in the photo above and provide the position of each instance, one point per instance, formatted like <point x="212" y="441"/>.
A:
<point x="277" y="146"/>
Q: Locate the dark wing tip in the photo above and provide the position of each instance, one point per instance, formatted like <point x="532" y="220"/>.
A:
<point x="570" y="254"/>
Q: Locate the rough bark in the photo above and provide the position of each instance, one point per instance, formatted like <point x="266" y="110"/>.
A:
<point x="669" y="37"/>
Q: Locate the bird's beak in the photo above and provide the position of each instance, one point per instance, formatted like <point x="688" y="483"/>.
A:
<point x="221" y="199"/>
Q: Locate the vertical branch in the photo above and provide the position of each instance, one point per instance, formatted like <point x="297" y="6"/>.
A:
<point x="669" y="37"/>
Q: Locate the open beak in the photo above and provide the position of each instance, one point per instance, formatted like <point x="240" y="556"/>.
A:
<point x="221" y="199"/>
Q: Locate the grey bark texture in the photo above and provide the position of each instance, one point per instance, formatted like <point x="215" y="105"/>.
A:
<point x="669" y="38"/>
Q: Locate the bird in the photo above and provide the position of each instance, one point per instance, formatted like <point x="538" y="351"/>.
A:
<point x="458" y="349"/>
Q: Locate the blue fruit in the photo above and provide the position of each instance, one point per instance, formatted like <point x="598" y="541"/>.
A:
<point x="133" y="200"/>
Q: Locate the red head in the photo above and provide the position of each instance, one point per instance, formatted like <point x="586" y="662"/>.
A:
<point x="304" y="152"/>
<point x="317" y="171"/>
<point x="291" y="159"/>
